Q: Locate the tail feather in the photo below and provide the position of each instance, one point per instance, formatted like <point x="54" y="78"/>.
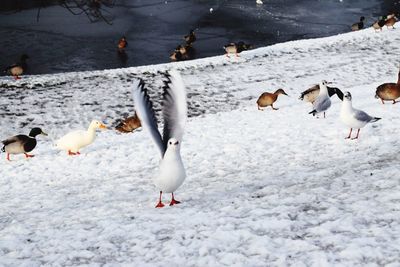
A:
<point x="375" y="119"/>
<point x="3" y="149"/>
<point x="313" y="112"/>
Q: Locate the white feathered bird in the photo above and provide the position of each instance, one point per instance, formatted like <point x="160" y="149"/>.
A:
<point x="354" y="118"/>
<point x="322" y="103"/>
<point x="74" y="141"/>
<point x="171" y="172"/>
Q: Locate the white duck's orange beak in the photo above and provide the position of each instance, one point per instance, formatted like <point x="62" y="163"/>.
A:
<point x="102" y="126"/>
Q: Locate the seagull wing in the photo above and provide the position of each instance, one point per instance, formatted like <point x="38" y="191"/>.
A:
<point x="174" y="107"/>
<point x="362" y="116"/>
<point x="322" y="103"/>
<point x="144" y="109"/>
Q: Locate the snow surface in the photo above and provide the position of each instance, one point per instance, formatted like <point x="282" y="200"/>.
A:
<point x="271" y="188"/>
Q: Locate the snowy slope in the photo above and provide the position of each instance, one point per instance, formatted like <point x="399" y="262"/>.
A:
<point x="265" y="188"/>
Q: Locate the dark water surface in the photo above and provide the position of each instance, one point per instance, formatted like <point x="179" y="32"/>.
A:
<point x="61" y="42"/>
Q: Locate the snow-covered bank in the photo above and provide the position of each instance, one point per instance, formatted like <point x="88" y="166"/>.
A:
<point x="263" y="188"/>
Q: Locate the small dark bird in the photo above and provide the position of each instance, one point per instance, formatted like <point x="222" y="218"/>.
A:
<point x="176" y="56"/>
<point x="129" y="124"/>
<point x="268" y="99"/>
<point x="122" y="43"/>
<point x="21" y="143"/>
<point x="231" y="48"/>
<point x="182" y="52"/>
<point x="19" y="68"/>
<point x="236" y="48"/>
<point x="359" y="25"/>
<point x="241" y="46"/>
<point x="389" y="91"/>
<point x="190" y="38"/>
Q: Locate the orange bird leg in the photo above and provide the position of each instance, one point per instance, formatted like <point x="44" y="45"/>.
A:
<point x="8" y="157"/>
<point x="160" y="204"/>
<point x="173" y="201"/>
<point x="71" y="153"/>
<point x="28" y="156"/>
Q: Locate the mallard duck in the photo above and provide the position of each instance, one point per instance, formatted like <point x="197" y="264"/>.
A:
<point x="390" y="21"/>
<point x="389" y="91"/>
<point x="129" y="124"/>
<point x="190" y="38"/>
<point x="268" y="99"/>
<point x="379" y="24"/>
<point x="19" y="68"/>
<point x="22" y="143"/>
<point x="359" y="25"/>
<point x="231" y="49"/>
<point x="74" y="141"/>
<point x="122" y="43"/>
<point x="312" y="93"/>
<point x="354" y="118"/>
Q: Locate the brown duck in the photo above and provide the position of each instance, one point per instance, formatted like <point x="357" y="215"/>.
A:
<point x="19" y="68"/>
<point x="390" y="21"/>
<point x="268" y="99"/>
<point x="389" y="91"/>
<point x="129" y="124"/>
<point x="122" y="44"/>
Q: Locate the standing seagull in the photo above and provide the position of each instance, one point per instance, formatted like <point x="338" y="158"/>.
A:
<point x="171" y="173"/>
<point x="322" y="103"/>
<point x="354" y="118"/>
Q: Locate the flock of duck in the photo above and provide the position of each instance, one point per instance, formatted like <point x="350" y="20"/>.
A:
<point x="171" y="173"/>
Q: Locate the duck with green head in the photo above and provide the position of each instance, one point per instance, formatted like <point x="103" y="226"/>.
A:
<point x="21" y="144"/>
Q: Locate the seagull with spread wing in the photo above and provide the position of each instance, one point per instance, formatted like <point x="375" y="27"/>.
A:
<point x="171" y="173"/>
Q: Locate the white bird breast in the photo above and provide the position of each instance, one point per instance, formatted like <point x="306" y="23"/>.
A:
<point x="171" y="173"/>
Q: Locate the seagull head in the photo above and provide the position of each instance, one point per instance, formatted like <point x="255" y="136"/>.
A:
<point x="347" y="96"/>
<point x="173" y="144"/>
<point x="325" y="83"/>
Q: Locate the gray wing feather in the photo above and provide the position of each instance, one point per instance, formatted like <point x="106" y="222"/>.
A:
<point x="362" y="116"/>
<point x="322" y="104"/>
<point x="144" y="109"/>
<point x="174" y="107"/>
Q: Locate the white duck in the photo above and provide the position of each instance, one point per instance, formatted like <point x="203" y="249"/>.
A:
<point x="171" y="173"/>
<point x="259" y="2"/>
<point x="74" y="141"/>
